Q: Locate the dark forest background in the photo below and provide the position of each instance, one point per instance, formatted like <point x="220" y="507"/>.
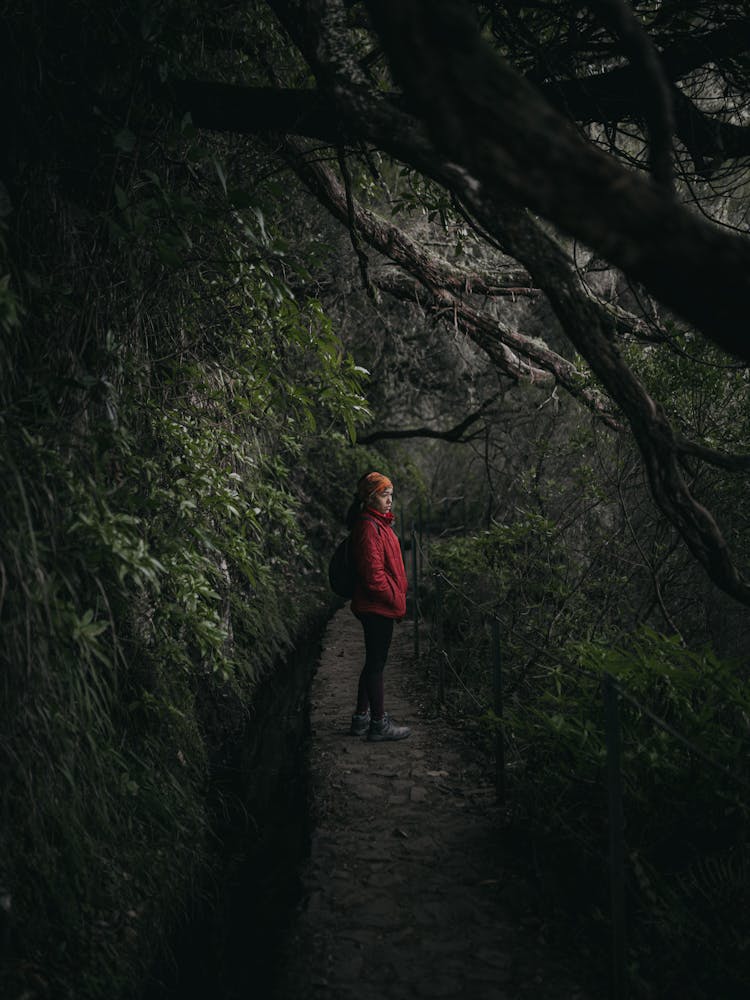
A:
<point x="249" y="251"/>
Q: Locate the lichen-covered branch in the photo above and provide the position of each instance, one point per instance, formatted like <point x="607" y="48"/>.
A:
<point x="445" y="287"/>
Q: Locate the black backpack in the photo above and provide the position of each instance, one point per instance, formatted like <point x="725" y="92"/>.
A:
<point x="342" y="571"/>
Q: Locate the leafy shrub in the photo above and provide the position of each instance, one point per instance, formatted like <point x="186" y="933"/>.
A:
<point x="684" y="717"/>
<point x="161" y="383"/>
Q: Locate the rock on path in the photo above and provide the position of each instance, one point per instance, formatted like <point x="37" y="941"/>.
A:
<point x="406" y="887"/>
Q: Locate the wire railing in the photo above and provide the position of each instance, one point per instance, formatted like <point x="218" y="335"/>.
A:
<point x="613" y="693"/>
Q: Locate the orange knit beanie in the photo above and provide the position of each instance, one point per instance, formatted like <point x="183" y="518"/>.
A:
<point x="372" y="483"/>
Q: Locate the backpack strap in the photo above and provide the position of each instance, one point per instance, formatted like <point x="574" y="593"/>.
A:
<point x="372" y="520"/>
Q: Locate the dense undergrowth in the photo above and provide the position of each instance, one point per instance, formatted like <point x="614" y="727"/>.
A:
<point x="684" y="715"/>
<point x="156" y="556"/>
<point x="175" y="429"/>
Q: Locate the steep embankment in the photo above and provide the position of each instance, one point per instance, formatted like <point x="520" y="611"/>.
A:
<point x="172" y="417"/>
<point x="229" y="941"/>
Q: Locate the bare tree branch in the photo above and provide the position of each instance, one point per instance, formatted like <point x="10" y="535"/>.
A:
<point x="618" y="94"/>
<point x="520" y="357"/>
<point x="639" y="48"/>
<point x="455" y="435"/>
<point x="719" y="459"/>
<point x="352" y="226"/>
<point x="609" y="96"/>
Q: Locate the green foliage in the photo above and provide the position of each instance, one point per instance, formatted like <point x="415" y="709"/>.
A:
<point x="526" y="575"/>
<point x="10" y="309"/>
<point x="165" y="371"/>
<point x="413" y="194"/>
<point x="707" y="397"/>
<point x="685" y="716"/>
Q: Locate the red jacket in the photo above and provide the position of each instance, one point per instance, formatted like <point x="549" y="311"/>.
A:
<point x="381" y="578"/>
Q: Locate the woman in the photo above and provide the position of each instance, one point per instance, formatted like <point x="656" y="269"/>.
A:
<point x="379" y="600"/>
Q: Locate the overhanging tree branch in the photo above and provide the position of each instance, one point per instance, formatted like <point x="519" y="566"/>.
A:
<point x="719" y="459"/>
<point x="520" y="357"/>
<point x="491" y="124"/>
<point x="444" y="288"/>
<point x="393" y="242"/>
<point x="521" y="151"/>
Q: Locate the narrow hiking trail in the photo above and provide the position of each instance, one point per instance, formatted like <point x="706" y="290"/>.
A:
<point x="408" y="889"/>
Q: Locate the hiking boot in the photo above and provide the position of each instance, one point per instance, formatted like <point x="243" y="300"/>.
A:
<point x="360" y="724"/>
<point x="386" y="729"/>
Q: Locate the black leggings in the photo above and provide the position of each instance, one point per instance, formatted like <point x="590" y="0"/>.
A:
<point x="378" y="634"/>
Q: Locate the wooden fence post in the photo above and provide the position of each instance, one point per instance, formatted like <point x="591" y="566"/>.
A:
<point x="439" y="631"/>
<point x="415" y="582"/>
<point x="616" y="835"/>
<point x="421" y="543"/>
<point x="497" y="690"/>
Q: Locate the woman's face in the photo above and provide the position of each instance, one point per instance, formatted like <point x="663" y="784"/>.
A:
<point x="382" y="502"/>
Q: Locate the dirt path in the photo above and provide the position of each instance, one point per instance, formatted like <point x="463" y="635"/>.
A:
<point x="409" y="892"/>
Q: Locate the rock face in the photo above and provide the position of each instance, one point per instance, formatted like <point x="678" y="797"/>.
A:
<point x="408" y="889"/>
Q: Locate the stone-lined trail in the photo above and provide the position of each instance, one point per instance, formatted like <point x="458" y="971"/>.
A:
<point x="408" y="889"/>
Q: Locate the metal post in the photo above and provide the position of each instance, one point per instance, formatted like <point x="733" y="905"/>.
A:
<point x="497" y="688"/>
<point x="616" y="836"/>
<point x="415" y="583"/>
